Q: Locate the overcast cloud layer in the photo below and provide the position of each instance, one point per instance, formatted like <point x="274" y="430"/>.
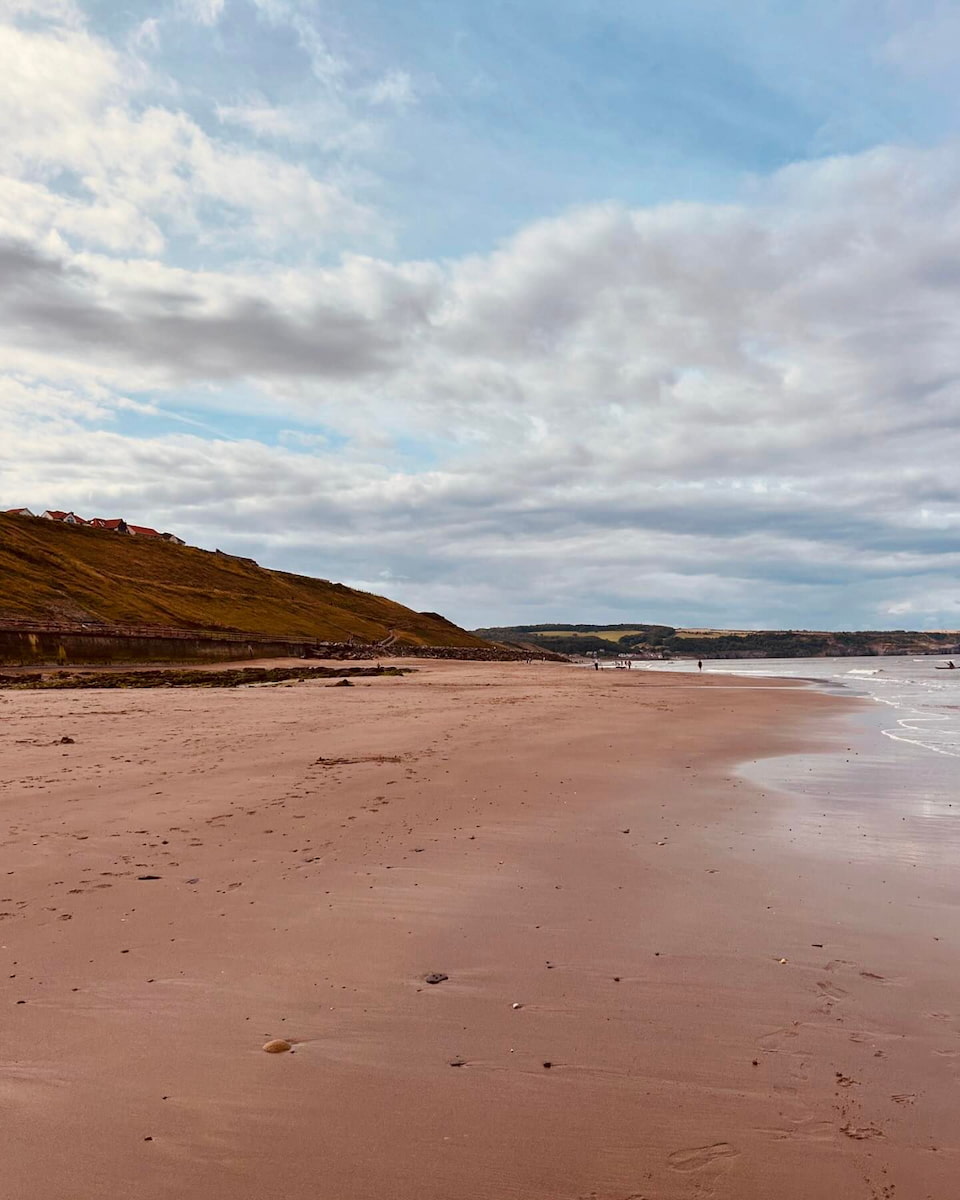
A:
<point x="724" y="395"/>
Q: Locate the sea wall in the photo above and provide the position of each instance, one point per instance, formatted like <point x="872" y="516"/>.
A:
<point x="65" y="645"/>
<point x="19" y="648"/>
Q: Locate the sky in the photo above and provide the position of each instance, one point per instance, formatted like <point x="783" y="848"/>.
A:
<point x="516" y="311"/>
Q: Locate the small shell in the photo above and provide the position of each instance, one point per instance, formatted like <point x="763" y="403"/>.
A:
<point x="277" y="1046"/>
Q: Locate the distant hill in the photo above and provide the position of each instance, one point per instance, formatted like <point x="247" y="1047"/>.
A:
<point x="50" y="572"/>
<point x="663" y="641"/>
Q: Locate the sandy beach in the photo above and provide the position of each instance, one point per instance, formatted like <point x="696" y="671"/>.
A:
<point x="655" y="988"/>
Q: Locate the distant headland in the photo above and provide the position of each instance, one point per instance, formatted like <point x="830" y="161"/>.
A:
<point x="664" y="641"/>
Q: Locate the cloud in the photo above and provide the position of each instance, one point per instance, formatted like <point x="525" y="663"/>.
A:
<point x="204" y="12"/>
<point x="106" y="167"/>
<point x="395" y="89"/>
<point x="739" y="412"/>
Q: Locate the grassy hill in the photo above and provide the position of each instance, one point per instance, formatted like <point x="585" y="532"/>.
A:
<point x="54" y="572"/>
<point x="663" y="641"/>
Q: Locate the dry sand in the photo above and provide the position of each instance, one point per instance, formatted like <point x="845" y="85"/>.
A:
<point x="202" y="872"/>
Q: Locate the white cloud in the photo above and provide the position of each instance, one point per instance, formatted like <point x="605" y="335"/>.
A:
<point x="65" y="12"/>
<point x="71" y="114"/>
<point x="395" y="89"/>
<point x="689" y="412"/>
<point x="204" y="12"/>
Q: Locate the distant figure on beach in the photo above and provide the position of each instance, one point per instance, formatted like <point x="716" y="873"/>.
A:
<point x="699" y="664"/>
<point x="596" y="665"/>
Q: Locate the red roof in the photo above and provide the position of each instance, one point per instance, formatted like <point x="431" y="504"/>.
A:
<point x="143" y="531"/>
<point x="107" y="523"/>
<point x="56" y="515"/>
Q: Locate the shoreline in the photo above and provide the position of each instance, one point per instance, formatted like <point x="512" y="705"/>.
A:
<point x="581" y="844"/>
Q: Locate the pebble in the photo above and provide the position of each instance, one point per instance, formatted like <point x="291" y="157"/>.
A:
<point x="277" y="1046"/>
<point x="436" y="977"/>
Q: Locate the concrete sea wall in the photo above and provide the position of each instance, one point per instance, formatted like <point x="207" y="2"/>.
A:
<point x="22" y="648"/>
<point x="48" y="644"/>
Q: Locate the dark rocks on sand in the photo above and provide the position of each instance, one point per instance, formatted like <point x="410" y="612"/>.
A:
<point x="435" y="977"/>
<point x="342" y="683"/>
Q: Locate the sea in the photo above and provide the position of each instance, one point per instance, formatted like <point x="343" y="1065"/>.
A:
<point x="917" y="703"/>
<point x="887" y="777"/>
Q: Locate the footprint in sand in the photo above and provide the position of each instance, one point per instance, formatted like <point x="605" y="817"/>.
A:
<point x="831" y="990"/>
<point x="807" y="1128"/>
<point x="861" y="1133"/>
<point x="771" y="1043"/>
<point x="698" y="1157"/>
<point x="598" y="1196"/>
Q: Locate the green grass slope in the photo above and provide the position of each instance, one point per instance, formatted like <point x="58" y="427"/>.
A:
<point x="54" y="572"/>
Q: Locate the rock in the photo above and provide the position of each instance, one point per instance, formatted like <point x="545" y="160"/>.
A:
<point x="66" y="741"/>
<point x="547" y="1066"/>
<point x="342" y="683"/>
<point x="458" y="1062"/>
<point x="515" y="1005"/>
<point x="277" y="1046"/>
<point x="435" y="977"/>
<point x="142" y="877"/>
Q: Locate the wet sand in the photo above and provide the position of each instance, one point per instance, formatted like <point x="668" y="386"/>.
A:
<point x="727" y="1009"/>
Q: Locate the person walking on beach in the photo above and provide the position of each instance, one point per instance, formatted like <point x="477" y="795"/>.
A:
<point x="699" y="664"/>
